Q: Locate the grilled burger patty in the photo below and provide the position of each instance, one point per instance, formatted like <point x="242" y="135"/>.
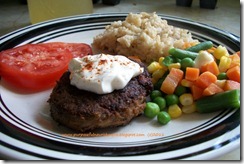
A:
<point x="83" y="111"/>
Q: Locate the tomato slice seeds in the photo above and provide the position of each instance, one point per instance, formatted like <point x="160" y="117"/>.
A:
<point x="36" y="67"/>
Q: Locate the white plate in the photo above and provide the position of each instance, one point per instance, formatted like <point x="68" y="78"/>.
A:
<point x="28" y="131"/>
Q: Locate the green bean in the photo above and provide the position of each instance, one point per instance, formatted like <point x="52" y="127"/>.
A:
<point x="201" y="46"/>
<point x="181" y="54"/>
<point x="219" y="101"/>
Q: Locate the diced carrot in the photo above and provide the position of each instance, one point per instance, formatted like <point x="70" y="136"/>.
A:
<point x="211" y="67"/>
<point x="188" y="44"/>
<point x="212" y="89"/>
<point x="168" y="86"/>
<point x="177" y="73"/>
<point x="171" y="81"/>
<point x="238" y="53"/>
<point x="211" y="50"/>
<point x="230" y="85"/>
<point x="234" y="73"/>
<point x="196" y="92"/>
<point x="192" y="74"/>
<point x="205" y="79"/>
<point x="235" y="60"/>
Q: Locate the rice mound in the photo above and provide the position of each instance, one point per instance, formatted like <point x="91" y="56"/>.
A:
<point x="145" y="35"/>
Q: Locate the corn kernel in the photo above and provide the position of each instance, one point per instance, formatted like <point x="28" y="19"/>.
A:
<point x="174" y="111"/>
<point x="153" y="67"/>
<point x="224" y="63"/>
<point x="158" y="73"/>
<point x="220" y="83"/>
<point x="160" y="60"/>
<point x="220" y="51"/>
<point x="174" y="65"/>
<point x="189" y="108"/>
<point x="186" y="99"/>
<point x="186" y="83"/>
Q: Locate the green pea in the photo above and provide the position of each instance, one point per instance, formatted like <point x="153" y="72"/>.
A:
<point x="186" y="62"/>
<point x="171" y="99"/>
<point x="151" y="110"/>
<point x="161" y="102"/>
<point x="155" y="93"/>
<point x="163" y="117"/>
<point x="179" y="90"/>
<point x="222" y="76"/>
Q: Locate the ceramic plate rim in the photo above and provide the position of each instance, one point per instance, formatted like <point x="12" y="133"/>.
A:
<point x="5" y="39"/>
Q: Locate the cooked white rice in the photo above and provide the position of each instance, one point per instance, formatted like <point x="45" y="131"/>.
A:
<point x="144" y="35"/>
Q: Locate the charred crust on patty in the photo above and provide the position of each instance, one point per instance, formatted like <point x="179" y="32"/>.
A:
<point x="84" y="111"/>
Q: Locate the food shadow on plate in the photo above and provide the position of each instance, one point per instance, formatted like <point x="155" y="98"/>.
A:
<point x="16" y="89"/>
<point x="145" y="121"/>
<point x="45" y="120"/>
<point x="185" y="118"/>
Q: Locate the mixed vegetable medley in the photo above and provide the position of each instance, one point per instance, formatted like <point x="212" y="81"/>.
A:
<point x="196" y="79"/>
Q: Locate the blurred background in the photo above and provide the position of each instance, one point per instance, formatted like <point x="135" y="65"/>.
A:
<point x="223" y="14"/>
<point x="226" y="14"/>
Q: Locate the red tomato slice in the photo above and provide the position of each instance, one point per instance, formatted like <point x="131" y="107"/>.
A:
<point x="36" y="67"/>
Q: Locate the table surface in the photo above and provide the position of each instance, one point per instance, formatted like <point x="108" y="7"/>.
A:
<point x="225" y="16"/>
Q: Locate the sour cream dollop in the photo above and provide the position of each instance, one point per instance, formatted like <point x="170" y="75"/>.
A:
<point x="102" y="73"/>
